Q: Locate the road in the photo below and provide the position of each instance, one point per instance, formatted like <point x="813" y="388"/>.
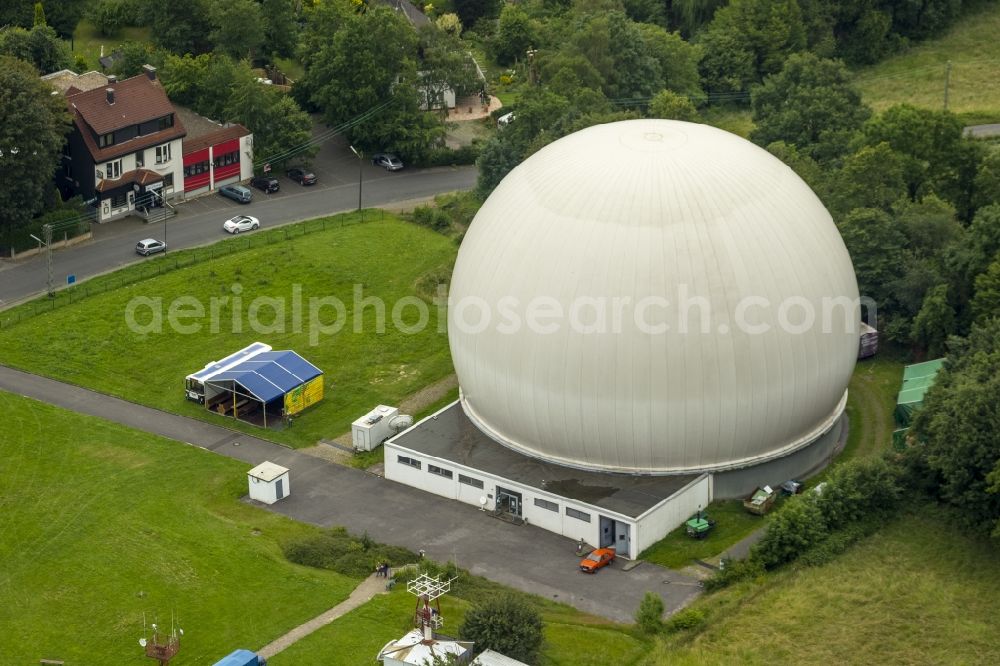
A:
<point x="199" y="221"/>
<point x="323" y="493"/>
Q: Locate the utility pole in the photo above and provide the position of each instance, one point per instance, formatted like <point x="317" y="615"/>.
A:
<point x="47" y="228"/>
<point x="163" y="205"/>
<point x="361" y="164"/>
<point x="947" y="78"/>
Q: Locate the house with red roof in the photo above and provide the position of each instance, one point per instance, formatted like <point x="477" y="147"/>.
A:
<point x="126" y="147"/>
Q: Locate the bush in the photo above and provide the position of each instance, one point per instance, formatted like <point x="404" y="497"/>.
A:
<point x="838" y="542"/>
<point x="735" y="571"/>
<point x="859" y="489"/>
<point x="427" y="216"/>
<point x="687" y="619"/>
<point x="649" y="613"/>
<point x="338" y="551"/>
<point x="505" y="623"/>
<point x="796" y="527"/>
<point x="452" y="156"/>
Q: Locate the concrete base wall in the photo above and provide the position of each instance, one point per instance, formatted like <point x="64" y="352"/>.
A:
<point x="739" y="483"/>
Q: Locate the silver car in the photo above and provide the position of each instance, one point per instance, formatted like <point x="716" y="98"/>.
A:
<point x="387" y="161"/>
<point x="150" y="246"/>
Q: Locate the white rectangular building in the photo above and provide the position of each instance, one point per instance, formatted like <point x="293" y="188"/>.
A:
<point x="447" y="455"/>
<point x="368" y="432"/>
<point x="268" y="482"/>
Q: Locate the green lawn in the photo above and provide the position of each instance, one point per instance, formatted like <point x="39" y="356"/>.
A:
<point x="920" y="592"/>
<point x="87" y="41"/>
<point x="677" y="549"/>
<point x="917" y="75"/>
<point x="102" y="523"/>
<point x="570" y="637"/>
<point x="89" y="342"/>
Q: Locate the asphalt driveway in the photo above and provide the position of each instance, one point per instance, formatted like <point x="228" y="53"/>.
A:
<point x="323" y="493"/>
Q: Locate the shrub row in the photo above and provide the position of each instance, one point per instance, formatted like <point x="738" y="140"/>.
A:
<point x="338" y="551"/>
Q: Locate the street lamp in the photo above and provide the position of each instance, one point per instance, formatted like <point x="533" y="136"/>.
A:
<point x="47" y="228"/>
<point x="361" y="164"/>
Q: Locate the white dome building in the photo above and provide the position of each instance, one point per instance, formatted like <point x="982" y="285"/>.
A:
<point x="674" y="220"/>
<point x="647" y="299"/>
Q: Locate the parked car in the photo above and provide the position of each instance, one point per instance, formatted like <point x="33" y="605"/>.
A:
<point x="266" y="183"/>
<point x="302" y="177"/>
<point x="387" y="161"/>
<point x="235" y="225"/>
<point x="236" y="193"/>
<point x="506" y="119"/>
<point x="597" y="559"/>
<point x="150" y="246"/>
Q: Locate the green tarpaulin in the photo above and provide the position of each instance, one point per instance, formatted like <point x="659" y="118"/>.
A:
<point x="916" y="380"/>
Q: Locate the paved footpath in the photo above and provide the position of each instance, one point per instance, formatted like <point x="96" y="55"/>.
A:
<point x="323" y="493"/>
<point x="362" y="594"/>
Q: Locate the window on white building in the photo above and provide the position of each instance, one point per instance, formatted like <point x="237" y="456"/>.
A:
<point x="412" y="462"/>
<point x="545" y="504"/>
<point x="113" y="170"/>
<point x="140" y="158"/>
<point x="469" y="481"/>
<point x="579" y="515"/>
<point x="163" y="153"/>
<point x="434" y="469"/>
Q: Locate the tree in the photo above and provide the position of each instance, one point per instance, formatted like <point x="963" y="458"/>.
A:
<point x="507" y="624"/>
<point x="986" y="185"/>
<point x="983" y="238"/>
<point x="470" y="11"/>
<point x="876" y="246"/>
<point x="277" y="122"/>
<point x="110" y="15"/>
<point x="957" y="426"/>
<point x="446" y="64"/>
<point x="677" y="59"/>
<point x="940" y="160"/>
<point x="131" y="56"/>
<point x="450" y="23"/>
<point x="811" y="104"/>
<point x="33" y="126"/>
<point x="798" y="526"/>
<point x="649" y="614"/>
<point x="238" y="28"/>
<point x="872" y="177"/>
<point x="496" y="159"/>
<point x="986" y="302"/>
<point x="514" y="35"/>
<point x="281" y="29"/>
<point x="179" y="25"/>
<point x="935" y="321"/>
<point x="668" y="104"/>
<point x="39" y="46"/>
<point x="367" y="69"/>
<point x="929" y="225"/>
<point x="39" y="15"/>
<point x="766" y="30"/>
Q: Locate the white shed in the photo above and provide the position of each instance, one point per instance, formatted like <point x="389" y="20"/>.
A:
<point x="268" y="482"/>
<point x="368" y="432"/>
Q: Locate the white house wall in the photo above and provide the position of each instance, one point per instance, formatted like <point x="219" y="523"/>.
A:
<point x="672" y="512"/>
<point x="557" y="522"/>
<point x="246" y="157"/>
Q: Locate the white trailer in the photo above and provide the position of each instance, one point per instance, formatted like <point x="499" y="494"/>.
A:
<point x="373" y="428"/>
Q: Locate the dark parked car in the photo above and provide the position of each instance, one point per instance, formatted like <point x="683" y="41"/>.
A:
<point x="302" y="177"/>
<point x="266" y="183"/>
<point x="236" y="193"/>
<point x="387" y="161"/>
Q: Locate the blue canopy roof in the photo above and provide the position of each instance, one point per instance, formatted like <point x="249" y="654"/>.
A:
<point x="269" y="375"/>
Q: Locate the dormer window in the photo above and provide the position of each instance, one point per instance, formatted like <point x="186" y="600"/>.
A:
<point x="166" y="121"/>
<point x="106" y="140"/>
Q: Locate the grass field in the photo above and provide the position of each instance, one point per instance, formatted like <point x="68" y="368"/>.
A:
<point x="570" y="638"/>
<point x="917" y="76"/>
<point x="101" y="524"/>
<point x="89" y="342"/>
<point x="87" y="41"/>
<point x="920" y="592"/>
<point x="871" y="398"/>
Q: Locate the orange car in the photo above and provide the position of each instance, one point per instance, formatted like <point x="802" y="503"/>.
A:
<point x="597" y="559"/>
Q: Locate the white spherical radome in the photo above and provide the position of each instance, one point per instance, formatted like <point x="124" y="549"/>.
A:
<point x="635" y="297"/>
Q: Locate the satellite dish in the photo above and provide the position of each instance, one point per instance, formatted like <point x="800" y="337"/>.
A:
<point x="142" y="642"/>
<point x="482" y="500"/>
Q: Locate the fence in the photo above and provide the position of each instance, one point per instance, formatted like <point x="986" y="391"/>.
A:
<point x="175" y="260"/>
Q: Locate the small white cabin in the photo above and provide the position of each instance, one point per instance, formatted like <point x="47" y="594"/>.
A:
<point x="268" y="482"/>
<point x="368" y="432"/>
